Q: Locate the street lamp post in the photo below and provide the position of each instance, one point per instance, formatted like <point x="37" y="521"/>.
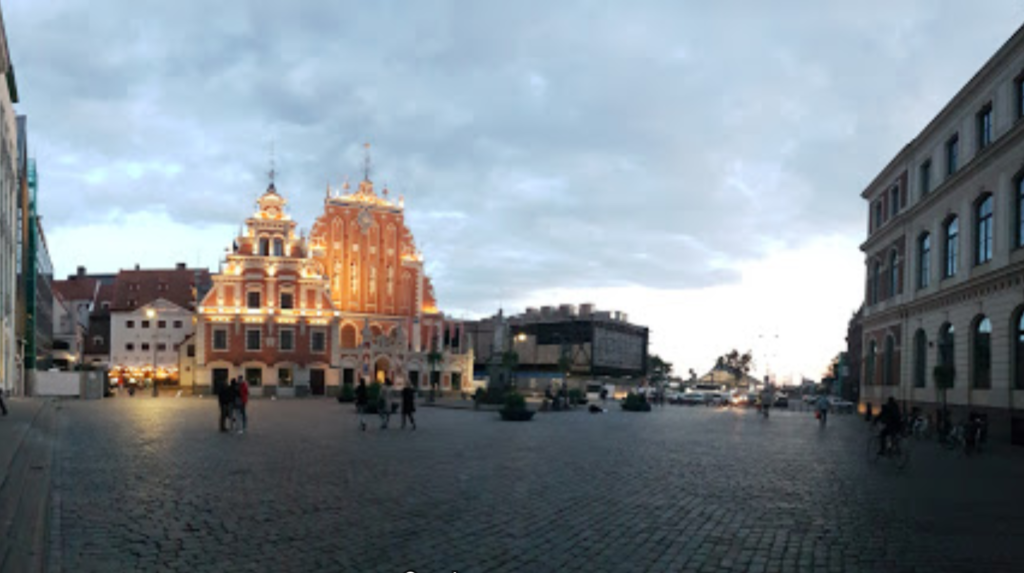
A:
<point x="151" y="315"/>
<point x="521" y="337"/>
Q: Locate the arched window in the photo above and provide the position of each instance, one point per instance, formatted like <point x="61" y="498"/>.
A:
<point x="920" y="358"/>
<point x="349" y="336"/>
<point x="876" y="281"/>
<point x="946" y="345"/>
<point x="889" y="362"/>
<point x="1018" y="350"/>
<point x="981" y="361"/>
<point x="952" y="246"/>
<point x="869" y="367"/>
<point x="894" y="273"/>
<point x="278" y="248"/>
<point x="924" y="260"/>
<point x="264" y="246"/>
<point x="983" y="230"/>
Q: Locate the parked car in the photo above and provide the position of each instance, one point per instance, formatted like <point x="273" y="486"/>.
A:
<point x="781" y="401"/>
<point x="717" y="398"/>
<point x="693" y="398"/>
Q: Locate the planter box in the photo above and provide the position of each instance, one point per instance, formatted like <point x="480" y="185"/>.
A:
<point x="517" y="415"/>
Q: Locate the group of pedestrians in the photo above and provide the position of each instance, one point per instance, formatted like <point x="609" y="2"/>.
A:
<point x="385" y="404"/>
<point x="233" y="397"/>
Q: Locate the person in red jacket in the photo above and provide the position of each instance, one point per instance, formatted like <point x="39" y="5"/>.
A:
<point x="241" y="401"/>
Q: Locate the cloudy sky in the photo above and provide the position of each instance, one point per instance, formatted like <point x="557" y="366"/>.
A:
<point x="697" y="165"/>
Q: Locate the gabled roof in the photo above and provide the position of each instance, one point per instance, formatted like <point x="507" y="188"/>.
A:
<point x="136" y="288"/>
<point x="78" y="288"/>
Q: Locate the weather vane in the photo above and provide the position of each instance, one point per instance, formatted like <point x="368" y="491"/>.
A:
<point x="366" y="163"/>
<point x="272" y="171"/>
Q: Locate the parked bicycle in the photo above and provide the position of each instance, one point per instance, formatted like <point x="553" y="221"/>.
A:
<point x="965" y="438"/>
<point x="894" y="449"/>
<point x="918" y="427"/>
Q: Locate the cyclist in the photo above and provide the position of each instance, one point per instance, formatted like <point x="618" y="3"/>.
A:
<point x="891" y="420"/>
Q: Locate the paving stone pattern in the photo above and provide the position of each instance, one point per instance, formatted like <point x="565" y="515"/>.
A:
<point x="151" y="485"/>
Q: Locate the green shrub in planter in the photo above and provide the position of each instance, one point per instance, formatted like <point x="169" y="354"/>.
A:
<point x="515" y="408"/>
<point x="515" y="401"/>
<point x="576" y="396"/>
<point x="635" y="403"/>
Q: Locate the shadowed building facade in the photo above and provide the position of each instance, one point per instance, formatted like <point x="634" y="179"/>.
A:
<point x="944" y="288"/>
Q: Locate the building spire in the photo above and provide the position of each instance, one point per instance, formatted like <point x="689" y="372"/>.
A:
<point x="366" y="163"/>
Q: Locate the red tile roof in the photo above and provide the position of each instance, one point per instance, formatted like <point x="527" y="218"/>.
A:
<point x="137" y="288"/>
<point x="79" y="288"/>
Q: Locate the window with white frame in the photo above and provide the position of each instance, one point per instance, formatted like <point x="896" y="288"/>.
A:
<point x="983" y="228"/>
<point x="924" y="260"/>
<point x="952" y="154"/>
<point x="318" y="340"/>
<point x="253" y="339"/>
<point x="985" y="126"/>
<point x="952" y="247"/>
<point x="287" y="339"/>
<point x="220" y="339"/>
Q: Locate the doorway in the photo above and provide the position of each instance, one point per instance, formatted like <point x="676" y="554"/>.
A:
<point x="316" y="381"/>
<point x="381" y="370"/>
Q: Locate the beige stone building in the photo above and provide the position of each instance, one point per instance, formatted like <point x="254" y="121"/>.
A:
<point x="945" y="257"/>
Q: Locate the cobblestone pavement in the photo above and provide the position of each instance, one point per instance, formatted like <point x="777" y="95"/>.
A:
<point x="151" y="485"/>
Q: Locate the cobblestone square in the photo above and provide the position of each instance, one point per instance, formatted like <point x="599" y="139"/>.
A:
<point x="151" y="485"/>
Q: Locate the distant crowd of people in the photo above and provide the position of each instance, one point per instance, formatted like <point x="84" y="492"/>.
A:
<point x="233" y="397"/>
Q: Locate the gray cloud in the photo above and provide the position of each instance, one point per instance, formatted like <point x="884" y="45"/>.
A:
<point x="537" y="146"/>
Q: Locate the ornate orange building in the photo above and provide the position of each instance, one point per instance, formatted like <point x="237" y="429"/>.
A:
<point x="389" y="320"/>
<point x="353" y="302"/>
<point x="269" y="315"/>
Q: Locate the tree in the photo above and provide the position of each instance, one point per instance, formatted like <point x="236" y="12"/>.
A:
<point x="735" y="363"/>
<point x="509" y="363"/>
<point x="658" y="370"/>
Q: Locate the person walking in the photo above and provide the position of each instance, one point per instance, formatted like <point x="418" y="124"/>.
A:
<point x="3" y="406"/>
<point x="384" y="404"/>
<point x="822" y="407"/>
<point x="241" y="401"/>
<point x="221" y="390"/>
<point x="408" y="405"/>
<point x="362" y="400"/>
